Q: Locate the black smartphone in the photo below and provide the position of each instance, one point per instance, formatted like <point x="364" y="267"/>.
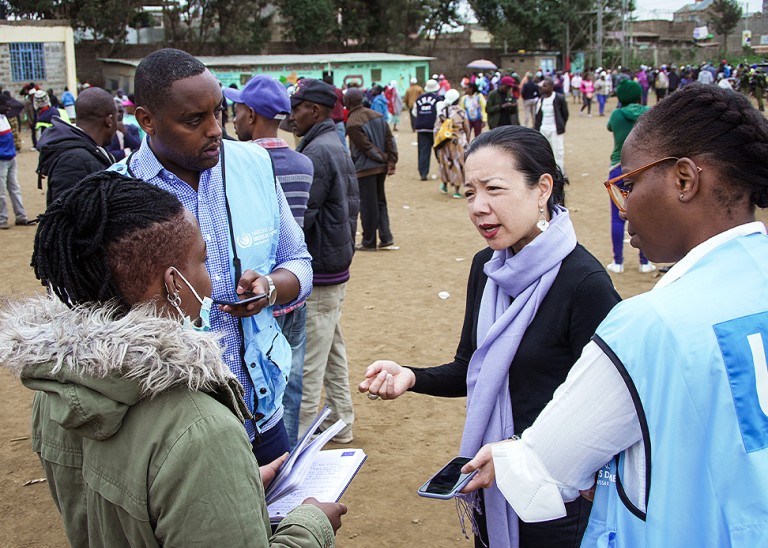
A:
<point x="448" y="481"/>
<point x="242" y="302"/>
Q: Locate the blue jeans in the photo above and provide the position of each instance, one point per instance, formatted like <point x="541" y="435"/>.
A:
<point x="270" y="444"/>
<point x="9" y="180"/>
<point x="601" y="99"/>
<point x="341" y="129"/>
<point x="293" y="326"/>
<point x="617" y="227"/>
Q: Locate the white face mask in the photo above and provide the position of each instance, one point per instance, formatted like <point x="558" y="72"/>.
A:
<point x="205" y="308"/>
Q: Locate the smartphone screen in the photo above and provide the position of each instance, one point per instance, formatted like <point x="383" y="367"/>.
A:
<point x="447" y="478"/>
<point x="241" y="302"/>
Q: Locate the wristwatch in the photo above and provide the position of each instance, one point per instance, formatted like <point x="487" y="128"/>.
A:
<point x="272" y="293"/>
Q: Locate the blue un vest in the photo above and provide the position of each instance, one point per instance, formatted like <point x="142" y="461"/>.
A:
<point x="254" y="224"/>
<point x="693" y="355"/>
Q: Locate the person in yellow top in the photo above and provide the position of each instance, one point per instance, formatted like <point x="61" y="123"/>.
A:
<point x="473" y="102"/>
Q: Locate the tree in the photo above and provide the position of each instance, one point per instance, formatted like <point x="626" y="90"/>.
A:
<point x="439" y="16"/>
<point x="563" y="25"/>
<point x="309" y="23"/>
<point x="724" y="17"/>
<point x="232" y="26"/>
<point x="106" y="19"/>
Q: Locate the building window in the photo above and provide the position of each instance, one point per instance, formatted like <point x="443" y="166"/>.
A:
<point x="27" y="61"/>
<point x="376" y="76"/>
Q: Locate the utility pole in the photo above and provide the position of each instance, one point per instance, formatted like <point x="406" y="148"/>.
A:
<point x="624" y="60"/>
<point x="599" y="49"/>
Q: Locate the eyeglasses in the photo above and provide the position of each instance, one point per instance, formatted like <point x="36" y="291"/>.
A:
<point x="618" y="194"/>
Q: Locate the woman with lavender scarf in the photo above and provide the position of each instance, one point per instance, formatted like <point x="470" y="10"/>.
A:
<point x="534" y="298"/>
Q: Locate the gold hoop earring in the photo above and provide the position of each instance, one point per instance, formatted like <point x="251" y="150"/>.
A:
<point x="542" y="224"/>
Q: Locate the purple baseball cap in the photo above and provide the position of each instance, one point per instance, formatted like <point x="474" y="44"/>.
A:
<point x="265" y="95"/>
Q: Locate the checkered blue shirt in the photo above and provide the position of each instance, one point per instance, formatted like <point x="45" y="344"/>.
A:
<point x="208" y="205"/>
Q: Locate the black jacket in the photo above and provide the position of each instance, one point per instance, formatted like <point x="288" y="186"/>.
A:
<point x="330" y="221"/>
<point x="580" y="298"/>
<point x="561" y="113"/>
<point x="425" y="110"/>
<point x="67" y="155"/>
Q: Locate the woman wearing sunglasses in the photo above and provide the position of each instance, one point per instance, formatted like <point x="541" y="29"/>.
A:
<point x="672" y="391"/>
<point x="534" y="298"/>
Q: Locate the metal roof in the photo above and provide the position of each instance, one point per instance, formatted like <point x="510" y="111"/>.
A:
<point x="252" y="60"/>
<point x="696" y="6"/>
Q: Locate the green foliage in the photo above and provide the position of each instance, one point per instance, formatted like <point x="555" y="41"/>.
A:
<point x="393" y="25"/>
<point x="724" y="17"/>
<point x="544" y="24"/>
<point x="310" y="23"/>
<point x="234" y="26"/>
<point x="107" y="19"/>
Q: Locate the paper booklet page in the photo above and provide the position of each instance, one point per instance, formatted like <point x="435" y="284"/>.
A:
<point x="327" y="478"/>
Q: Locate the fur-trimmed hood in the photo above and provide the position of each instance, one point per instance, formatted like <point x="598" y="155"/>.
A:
<point x="96" y="367"/>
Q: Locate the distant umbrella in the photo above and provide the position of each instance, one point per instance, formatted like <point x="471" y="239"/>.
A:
<point x="482" y="64"/>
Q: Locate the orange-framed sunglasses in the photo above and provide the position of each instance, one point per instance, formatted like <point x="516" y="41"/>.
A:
<point x="618" y="194"/>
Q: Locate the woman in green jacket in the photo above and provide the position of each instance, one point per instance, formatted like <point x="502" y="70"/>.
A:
<point x="137" y="420"/>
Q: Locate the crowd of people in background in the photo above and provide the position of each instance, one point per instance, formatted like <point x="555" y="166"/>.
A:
<point x="294" y="226"/>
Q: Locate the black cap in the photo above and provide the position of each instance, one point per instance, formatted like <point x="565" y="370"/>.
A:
<point x="314" y="91"/>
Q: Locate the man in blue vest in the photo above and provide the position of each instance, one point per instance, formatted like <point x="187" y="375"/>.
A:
<point x="425" y="111"/>
<point x="254" y="244"/>
<point x="259" y="108"/>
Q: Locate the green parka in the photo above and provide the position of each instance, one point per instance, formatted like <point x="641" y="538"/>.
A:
<point x="138" y="424"/>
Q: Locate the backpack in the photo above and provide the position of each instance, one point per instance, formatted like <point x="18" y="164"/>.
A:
<point x="445" y="134"/>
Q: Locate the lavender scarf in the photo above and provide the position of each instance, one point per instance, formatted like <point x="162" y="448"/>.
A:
<point x="526" y="277"/>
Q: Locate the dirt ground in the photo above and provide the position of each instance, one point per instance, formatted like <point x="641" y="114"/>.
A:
<point x="392" y="311"/>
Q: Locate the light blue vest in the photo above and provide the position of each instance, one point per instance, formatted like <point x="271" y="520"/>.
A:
<point x="693" y="357"/>
<point x="254" y="224"/>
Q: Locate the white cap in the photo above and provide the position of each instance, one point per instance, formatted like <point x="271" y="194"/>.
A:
<point x="414" y="81"/>
<point x="451" y="96"/>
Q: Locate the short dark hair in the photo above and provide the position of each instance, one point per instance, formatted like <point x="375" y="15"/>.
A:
<point x="93" y="105"/>
<point x="533" y="156"/>
<point x="103" y="239"/>
<point x="158" y="71"/>
<point x="705" y="120"/>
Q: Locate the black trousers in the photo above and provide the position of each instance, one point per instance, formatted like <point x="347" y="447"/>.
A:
<point x="425" y="140"/>
<point x="559" y="533"/>
<point x="373" y="210"/>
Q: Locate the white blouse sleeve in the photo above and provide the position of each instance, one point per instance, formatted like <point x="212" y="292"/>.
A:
<point x="590" y="419"/>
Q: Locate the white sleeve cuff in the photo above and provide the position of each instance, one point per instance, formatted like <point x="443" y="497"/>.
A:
<point x="526" y="484"/>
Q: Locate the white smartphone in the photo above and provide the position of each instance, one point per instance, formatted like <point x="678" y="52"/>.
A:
<point x="448" y="481"/>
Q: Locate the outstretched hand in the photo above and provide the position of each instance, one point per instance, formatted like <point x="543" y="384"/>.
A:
<point x="387" y="379"/>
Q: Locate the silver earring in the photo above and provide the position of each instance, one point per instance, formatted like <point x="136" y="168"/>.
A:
<point x="543" y="224"/>
<point x="682" y="196"/>
<point x="175" y="301"/>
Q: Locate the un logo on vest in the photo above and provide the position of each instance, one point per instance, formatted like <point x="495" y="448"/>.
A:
<point x="743" y="346"/>
<point x="244" y="240"/>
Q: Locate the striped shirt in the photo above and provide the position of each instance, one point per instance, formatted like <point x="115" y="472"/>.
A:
<point x="294" y="172"/>
<point x="208" y="204"/>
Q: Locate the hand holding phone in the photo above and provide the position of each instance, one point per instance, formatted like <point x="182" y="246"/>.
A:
<point x="448" y="481"/>
<point x="242" y="302"/>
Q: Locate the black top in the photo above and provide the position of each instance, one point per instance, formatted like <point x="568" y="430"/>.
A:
<point x="579" y="299"/>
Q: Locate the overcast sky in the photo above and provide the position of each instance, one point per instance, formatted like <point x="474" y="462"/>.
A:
<point x="663" y="9"/>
